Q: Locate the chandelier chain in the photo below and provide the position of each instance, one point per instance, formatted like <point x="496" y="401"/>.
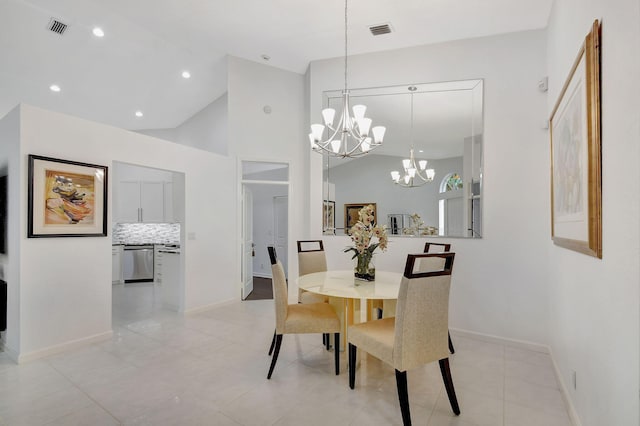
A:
<point x="345" y="45"/>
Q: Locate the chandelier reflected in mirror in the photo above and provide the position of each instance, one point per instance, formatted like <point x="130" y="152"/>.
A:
<point x="353" y="135"/>
<point x="415" y="174"/>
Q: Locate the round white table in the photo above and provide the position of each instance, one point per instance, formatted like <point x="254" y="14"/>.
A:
<point x="346" y="293"/>
<point x="343" y="284"/>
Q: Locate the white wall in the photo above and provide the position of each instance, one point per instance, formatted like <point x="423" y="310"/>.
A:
<point x="500" y="283"/>
<point x="206" y="129"/>
<point x="76" y="271"/>
<point x="278" y="136"/>
<point x="594" y="303"/>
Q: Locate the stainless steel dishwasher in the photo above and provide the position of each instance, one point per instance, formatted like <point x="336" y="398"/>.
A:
<point x="137" y="263"/>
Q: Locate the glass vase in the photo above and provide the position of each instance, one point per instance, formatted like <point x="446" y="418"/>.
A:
<point x="364" y="269"/>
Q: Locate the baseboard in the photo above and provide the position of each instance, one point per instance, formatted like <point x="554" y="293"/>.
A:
<point x="262" y="275"/>
<point x="573" y="414"/>
<point x="56" y="349"/>
<point x="536" y="347"/>
<point x="522" y="344"/>
<point x="211" y="306"/>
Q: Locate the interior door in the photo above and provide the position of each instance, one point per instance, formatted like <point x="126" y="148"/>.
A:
<point x="247" y="241"/>
<point x="280" y="215"/>
<point x="454" y="217"/>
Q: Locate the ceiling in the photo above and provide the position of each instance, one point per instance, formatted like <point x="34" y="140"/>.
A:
<point x="137" y="65"/>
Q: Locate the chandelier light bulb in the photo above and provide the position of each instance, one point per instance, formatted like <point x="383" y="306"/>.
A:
<point x="358" y="111"/>
<point x="364" y="124"/>
<point x="316" y="131"/>
<point x="350" y="136"/>
<point x="378" y="134"/>
<point x="366" y="145"/>
<point x="328" y="114"/>
<point x="415" y="173"/>
<point x="431" y="174"/>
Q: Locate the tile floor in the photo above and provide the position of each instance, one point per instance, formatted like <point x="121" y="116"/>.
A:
<point x="210" y="369"/>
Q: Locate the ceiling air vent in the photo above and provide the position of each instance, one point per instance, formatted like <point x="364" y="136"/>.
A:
<point x="57" y="26"/>
<point x="381" y="29"/>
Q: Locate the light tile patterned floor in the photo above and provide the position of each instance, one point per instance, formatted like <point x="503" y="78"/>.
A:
<point x="210" y="369"/>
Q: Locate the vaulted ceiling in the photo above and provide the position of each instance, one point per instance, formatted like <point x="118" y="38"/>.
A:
<point x="137" y="65"/>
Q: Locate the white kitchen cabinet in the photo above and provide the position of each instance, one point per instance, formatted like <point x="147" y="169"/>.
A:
<point x="116" y="264"/>
<point x="169" y="215"/>
<point x="157" y="267"/>
<point x="140" y="201"/>
<point x="152" y="202"/>
<point x="171" y="288"/>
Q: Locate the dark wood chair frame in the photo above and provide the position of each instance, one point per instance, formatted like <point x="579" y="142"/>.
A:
<point x="401" y="376"/>
<point x="445" y="248"/>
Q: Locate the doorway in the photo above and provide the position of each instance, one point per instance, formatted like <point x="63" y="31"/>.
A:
<point x="265" y="222"/>
<point x="148" y="217"/>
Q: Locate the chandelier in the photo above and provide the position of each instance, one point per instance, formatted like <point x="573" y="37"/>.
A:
<point x="351" y="136"/>
<point x="414" y="174"/>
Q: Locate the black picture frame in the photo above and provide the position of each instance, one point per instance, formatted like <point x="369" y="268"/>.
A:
<point x="66" y="198"/>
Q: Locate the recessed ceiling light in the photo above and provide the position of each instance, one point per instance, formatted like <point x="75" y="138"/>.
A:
<point x="54" y="88"/>
<point x="139" y="114"/>
<point x="422" y="150"/>
<point x="97" y="31"/>
<point x="186" y="74"/>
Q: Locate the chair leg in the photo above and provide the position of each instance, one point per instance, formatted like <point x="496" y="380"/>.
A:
<point x="336" y="348"/>
<point x="352" y="365"/>
<point x="275" y="354"/>
<point x="403" y="397"/>
<point x="451" y="349"/>
<point x="273" y="343"/>
<point x="448" y="384"/>
<point x="326" y="340"/>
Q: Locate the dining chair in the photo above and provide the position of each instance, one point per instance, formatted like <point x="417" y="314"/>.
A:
<point x="437" y="248"/>
<point x="311" y="258"/>
<point x="417" y="335"/>
<point x="299" y="318"/>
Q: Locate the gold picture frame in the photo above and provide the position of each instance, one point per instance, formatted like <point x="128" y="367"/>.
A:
<point x="576" y="154"/>
<point x="351" y="214"/>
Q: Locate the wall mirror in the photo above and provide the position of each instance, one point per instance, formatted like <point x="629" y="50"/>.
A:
<point x="444" y="124"/>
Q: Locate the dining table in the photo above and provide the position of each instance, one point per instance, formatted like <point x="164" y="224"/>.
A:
<point x="349" y="295"/>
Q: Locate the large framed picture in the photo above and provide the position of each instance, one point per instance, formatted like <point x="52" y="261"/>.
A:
<point x="576" y="168"/>
<point x="329" y="217"/>
<point x="66" y="198"/>
<point x="351" y="214"/>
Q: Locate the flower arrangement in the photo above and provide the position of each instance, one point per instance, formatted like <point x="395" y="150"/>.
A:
<point x="418" y="227"/>
<point x="362" y="234"/>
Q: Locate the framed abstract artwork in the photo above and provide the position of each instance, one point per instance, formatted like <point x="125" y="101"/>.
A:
<point x="66" y="198"/>
<point x="576" y="167"/>
<point x="351" y="214"/>
<point x="329" y="217"/>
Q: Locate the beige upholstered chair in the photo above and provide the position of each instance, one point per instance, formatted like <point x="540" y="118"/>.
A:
<point x="434" y="264"/>
<point x="299" y="318"/>
<point x="417" y="335"/>
<point x="311" y="258"/>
